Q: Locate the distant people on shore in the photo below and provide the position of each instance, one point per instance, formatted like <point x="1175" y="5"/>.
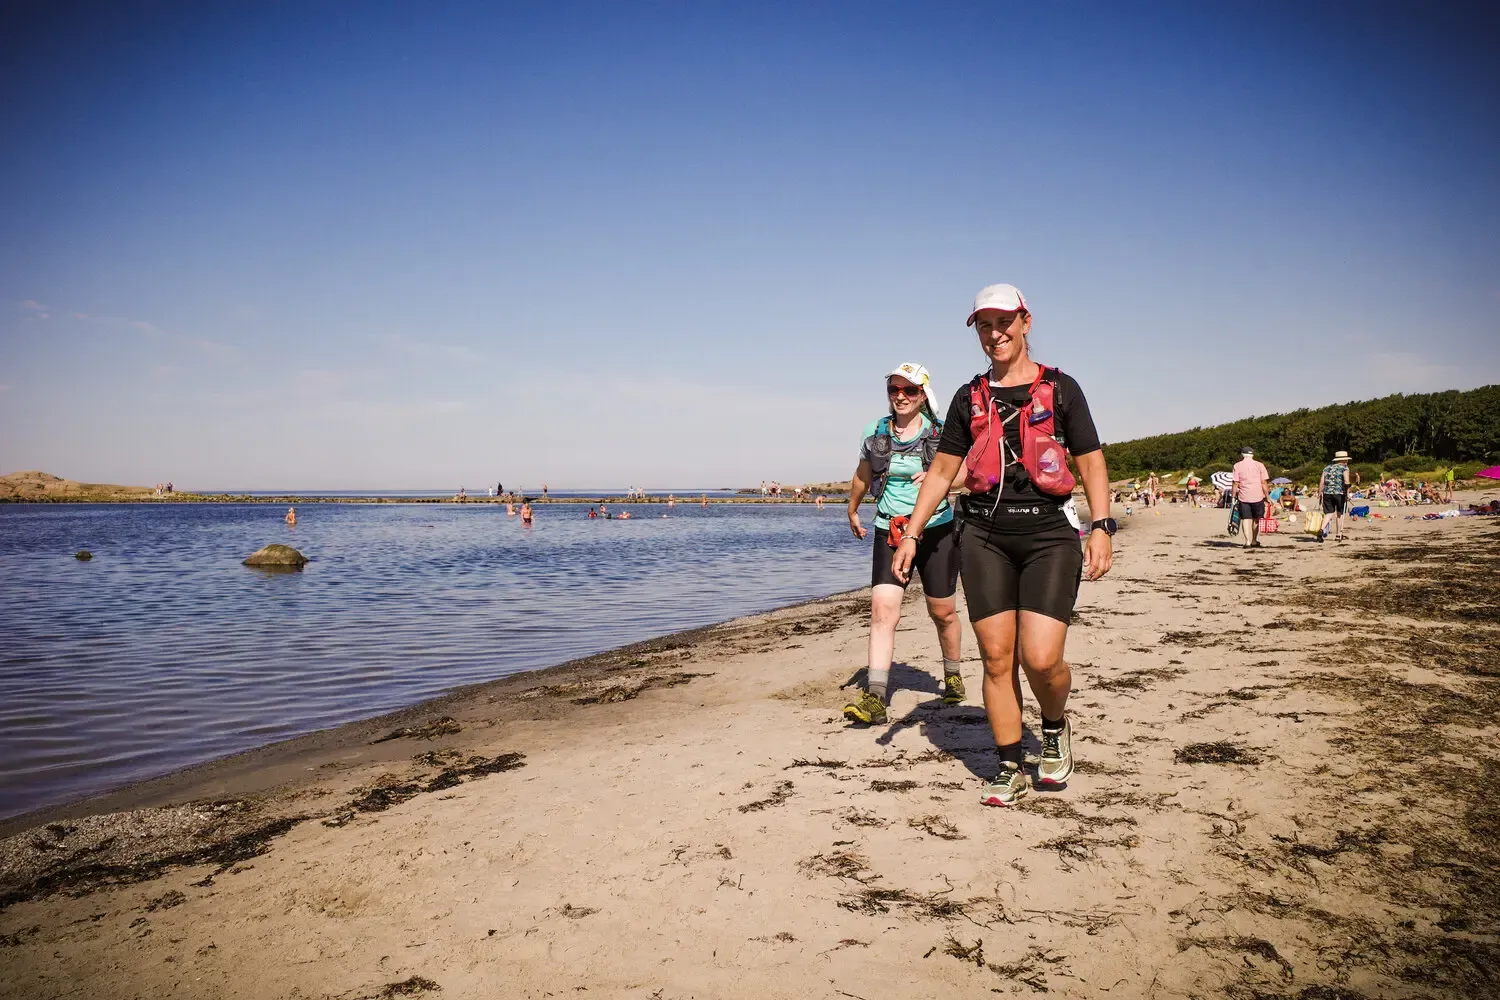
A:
<point x="1252" y="485"/>
<point x="544" y="489"/>
<point x="898" y="450"/>
<point x="291" y="515"/>
<point x="1333" y="487"/>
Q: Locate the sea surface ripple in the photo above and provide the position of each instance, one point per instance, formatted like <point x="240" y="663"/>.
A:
<point x="164" y="651"/>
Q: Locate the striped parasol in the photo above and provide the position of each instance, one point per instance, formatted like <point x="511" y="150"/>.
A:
<point x="1223" y="480"/>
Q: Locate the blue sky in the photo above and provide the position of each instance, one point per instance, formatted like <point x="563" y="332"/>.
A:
<point x="336" y="245"/>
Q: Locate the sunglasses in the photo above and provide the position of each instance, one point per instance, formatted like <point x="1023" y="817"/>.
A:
<point x="909" y="391"/>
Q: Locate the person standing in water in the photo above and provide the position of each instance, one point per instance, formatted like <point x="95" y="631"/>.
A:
<point x="1007" y="434"/>
<point x="525" y="515"/>
<point x="291" y="516"/>
<point x="893" y="460"/>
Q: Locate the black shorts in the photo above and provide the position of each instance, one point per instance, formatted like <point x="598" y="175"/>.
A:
<point x="1333" y="503"/>
<point x="936" y="562"/>
<point x="1252" y="511"/>
<point x="1021" y="571"/>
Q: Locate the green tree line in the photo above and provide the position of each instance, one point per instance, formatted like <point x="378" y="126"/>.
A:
<point x="1394" y="432"/>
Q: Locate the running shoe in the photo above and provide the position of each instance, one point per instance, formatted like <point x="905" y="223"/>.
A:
<point x="953" y="689"/>
<point x="869" y="709"/>
<point x="1008" y="788"/>
<point x="1056" y="764"/>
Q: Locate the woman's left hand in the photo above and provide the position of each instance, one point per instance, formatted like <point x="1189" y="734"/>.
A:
<point x="919" y="476"/>
<point x="1098" y="555"/>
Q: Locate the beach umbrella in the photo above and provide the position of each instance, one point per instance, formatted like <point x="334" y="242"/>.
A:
<point x="1223" y="480"/>
<point x="1493" y="472"/>
<point x="1280" y="481"/>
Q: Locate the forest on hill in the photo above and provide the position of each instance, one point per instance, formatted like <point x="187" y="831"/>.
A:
<point x="1394" y="433"/>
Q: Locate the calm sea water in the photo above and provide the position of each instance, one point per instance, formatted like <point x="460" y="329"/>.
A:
<point x="165" y="651"/>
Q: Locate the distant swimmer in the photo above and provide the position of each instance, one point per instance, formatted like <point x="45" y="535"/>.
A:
<point x="291" y="515"/>
<point x="704" y="501"/>
<point x="510" y="509"/>
<point x="526" y="515"/>
<point x="624" y="515"/>
<point x="819" y="501"/>
<point x="671" y="500"/>
<point x="593" y="513"/>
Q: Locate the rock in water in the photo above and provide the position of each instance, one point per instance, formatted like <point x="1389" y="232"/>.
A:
<point x="83" y="555"/>
<point x="277" y="557"/>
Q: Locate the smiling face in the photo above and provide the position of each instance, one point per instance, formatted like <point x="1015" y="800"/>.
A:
<point x="1002" y="334"/>
<point x="906" y="397"/>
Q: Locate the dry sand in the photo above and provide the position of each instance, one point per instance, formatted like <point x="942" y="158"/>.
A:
<point x="1287" y="760"/>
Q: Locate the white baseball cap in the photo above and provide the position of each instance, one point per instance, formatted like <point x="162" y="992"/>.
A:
<point x="918" y="375"/>
<point x="1007" y="298"/>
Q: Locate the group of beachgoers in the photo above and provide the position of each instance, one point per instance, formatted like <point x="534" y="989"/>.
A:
<point x="1013" y="538"/>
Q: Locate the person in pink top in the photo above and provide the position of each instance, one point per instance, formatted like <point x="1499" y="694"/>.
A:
<point x="1252" y="484"/>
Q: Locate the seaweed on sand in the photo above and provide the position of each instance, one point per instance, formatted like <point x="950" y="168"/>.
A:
<point x="830" y="765"/>
<point x="409" y="987"/>
<point x="76" y="874"/>
<point x="431" y="729"/>
<point x="1259" y="947"/>
<point x="881" y="785"/>
<point x="625" y="692"/>
<point x="936" y="826"/>
<point x="779" y="794"/>
<point x="839" y="864"/>
<point x="389" y="790"/>
<point x="1220" y="752"/>
<point x="1136" y="680"/>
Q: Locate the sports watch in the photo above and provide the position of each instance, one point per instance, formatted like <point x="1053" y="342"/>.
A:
<point x="1105" y="524"/>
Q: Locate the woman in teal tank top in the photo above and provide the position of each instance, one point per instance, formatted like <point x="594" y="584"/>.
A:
<point x="893" y="459"/>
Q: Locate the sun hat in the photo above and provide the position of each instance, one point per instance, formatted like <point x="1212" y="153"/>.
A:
<point x="918" y="375"/>
<point x="1007" y="298"/>
<point x="1341" y="456"/>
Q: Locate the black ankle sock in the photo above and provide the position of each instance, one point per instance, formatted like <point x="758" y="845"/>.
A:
<point x="1012" y="752"/>
<point x="1051" y="726"/>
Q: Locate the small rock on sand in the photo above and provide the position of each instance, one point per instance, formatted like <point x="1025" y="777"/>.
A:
<point x="277" y="556"/>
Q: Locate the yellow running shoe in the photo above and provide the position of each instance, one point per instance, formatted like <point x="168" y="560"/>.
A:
<point x="953" y="689"/>
<point x="869" y="710"/>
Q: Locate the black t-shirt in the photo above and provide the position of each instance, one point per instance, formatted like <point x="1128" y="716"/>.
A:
<point x="1073" y="426"/>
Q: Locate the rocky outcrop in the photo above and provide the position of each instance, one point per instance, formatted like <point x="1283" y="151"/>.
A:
<point x="277" y="557"/>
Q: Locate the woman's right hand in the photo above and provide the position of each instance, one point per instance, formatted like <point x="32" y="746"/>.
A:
<point x="901" y="559"/>
<point x="855" y="526"/>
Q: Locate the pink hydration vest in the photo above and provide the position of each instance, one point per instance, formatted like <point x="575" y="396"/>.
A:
<point x="1045" y="460"/>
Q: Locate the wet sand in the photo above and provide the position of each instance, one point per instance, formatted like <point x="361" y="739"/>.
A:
<point x="1285" y="789"/>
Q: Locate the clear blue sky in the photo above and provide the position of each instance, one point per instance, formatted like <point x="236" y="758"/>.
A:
<point x="359" y="245"/>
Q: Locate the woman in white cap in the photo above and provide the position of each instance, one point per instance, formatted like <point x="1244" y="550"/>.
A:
<point x="1007" y="434"/>
<point x="893" y="460"/>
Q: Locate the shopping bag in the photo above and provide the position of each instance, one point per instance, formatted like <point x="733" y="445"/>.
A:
<point x="1314" y="522"/>
<point x="1269" y="525"/>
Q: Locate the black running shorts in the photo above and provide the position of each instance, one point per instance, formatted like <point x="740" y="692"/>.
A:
<point x="1333" y="503"/>
<point x="936" y="561"/>
<point x="1252" y="511"/>
<point x="1022" y="571"/>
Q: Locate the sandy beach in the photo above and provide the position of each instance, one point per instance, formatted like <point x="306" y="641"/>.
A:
<point x="1285" y="788"/>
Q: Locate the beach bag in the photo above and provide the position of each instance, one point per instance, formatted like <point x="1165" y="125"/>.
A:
<point x="1234" y="520"/>
<point x="1269" y="525"/>
<point x="1314" y="522"/>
